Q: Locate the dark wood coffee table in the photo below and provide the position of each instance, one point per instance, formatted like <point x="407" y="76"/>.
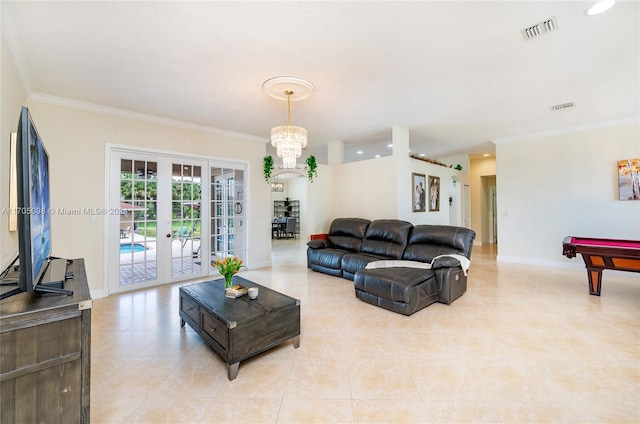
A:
<point x="237" y="329"/>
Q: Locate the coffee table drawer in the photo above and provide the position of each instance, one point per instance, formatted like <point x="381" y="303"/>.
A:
<point x="190" y="307"/>
<point x="215" y="330"/>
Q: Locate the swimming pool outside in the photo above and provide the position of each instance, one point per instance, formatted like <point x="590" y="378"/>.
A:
<point x="127" y="248"/>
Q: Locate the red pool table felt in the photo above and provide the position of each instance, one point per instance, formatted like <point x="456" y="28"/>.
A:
<point x="629" y="244"/>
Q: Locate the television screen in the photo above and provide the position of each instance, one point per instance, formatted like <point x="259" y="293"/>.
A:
<point x="39" y="192"/>
<point x="38" y="271"/>
<point x="34" y="221"/>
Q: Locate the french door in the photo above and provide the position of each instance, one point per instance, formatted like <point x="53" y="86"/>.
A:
<point x="137" y="199"/>
<point x="186" y="220"/>
<point x="227" y="213"/>
<point x="175" y="217"/>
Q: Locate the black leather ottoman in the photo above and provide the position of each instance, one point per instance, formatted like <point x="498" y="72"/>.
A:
<point x="401" y="290"/>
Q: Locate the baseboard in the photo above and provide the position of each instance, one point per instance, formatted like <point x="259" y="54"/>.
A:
<point x="97" y="294"/>
<point x="576" y="265"/>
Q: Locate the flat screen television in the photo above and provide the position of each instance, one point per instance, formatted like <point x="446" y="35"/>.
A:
<point x="38" y="271"/>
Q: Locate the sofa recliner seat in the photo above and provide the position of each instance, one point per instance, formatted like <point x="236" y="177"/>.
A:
<point x="344" y="237"/>
<point x="401" y="289"/>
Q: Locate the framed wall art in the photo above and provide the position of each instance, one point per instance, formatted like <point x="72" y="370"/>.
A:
<point x="418" y="187"/>
<point x="629" y="179"/>
<point x="434" y="194"/>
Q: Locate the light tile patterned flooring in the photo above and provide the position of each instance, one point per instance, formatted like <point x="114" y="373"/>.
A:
<point x="524" y="344"/>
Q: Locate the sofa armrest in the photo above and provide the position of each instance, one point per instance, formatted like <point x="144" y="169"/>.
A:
<point x="318" y="244"/>
<point x="451" y="283"/>
<point x="445" y="262"/>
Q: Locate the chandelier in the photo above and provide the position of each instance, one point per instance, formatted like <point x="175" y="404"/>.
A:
<point x="289" y="140"/>
<point x="276" y="185"/>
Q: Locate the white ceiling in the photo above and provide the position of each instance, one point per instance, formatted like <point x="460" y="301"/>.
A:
<point x="456" y="74"/>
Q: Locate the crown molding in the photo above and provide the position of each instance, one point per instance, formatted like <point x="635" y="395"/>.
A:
<point x="11" y="41"/>
<point x="569" y="130"/>
<point x="120" y="113"/>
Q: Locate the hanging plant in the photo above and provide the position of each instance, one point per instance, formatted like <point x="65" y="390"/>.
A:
<point x="268" y="167"/>
<point x="312" y="167"/>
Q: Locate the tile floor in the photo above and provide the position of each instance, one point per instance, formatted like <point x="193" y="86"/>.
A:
<point x="524" y="344"/>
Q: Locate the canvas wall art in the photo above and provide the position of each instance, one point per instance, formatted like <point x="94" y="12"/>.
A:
<point x="629" y="179"/>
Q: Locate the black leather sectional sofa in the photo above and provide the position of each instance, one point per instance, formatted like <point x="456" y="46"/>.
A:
<point x="410" y="265"/>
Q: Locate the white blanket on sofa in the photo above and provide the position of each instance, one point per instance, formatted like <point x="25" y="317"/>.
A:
<point x="463" y="260"/>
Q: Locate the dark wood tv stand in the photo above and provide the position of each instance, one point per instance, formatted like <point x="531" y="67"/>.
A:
<point x="45" y="346"/>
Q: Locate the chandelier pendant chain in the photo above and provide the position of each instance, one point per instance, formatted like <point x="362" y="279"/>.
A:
<point x="288" y="93"/>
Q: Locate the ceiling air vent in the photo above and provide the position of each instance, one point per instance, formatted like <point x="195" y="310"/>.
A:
<point x="562" y="106"/>
<point x="537" y="30"/>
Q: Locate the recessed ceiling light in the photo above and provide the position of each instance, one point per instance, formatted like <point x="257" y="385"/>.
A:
<point x="376" y="156"/>
<point x="359" y="152"/>
<point x="422" y="155"/>
<point x="486" y="155"/>
<point x="599" y="7"/>
<point x="390" y="145"/>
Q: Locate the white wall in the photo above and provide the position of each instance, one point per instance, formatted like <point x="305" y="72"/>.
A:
<point x="319" y="201"/>
<point x="462" y="160"/>
<point x="13" y="97"/>
<point x="364" y="189"/>
<point x="562" y="185"/>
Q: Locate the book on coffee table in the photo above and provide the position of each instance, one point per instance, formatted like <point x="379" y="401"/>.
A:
<point x="236" y="291"/>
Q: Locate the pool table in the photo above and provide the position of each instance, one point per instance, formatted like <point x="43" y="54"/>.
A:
<point x="600" y="254"/>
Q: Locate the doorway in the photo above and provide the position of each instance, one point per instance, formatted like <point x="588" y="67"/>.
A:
<point x="493" y="215"/>
<point x="289" y="199"/>
<point x="488" y="210"/>
<point x="166" y="228"/>
<point x="228" y="205"/>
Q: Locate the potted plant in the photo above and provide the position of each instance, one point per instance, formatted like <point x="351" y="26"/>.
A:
<point x="267" y="167"/>
<point x="312" y="167"/>
<point x="228" y="267"/>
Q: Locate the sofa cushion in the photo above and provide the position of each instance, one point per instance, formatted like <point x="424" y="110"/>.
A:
<point x="386" y="238"/>
<point x="326" y="258"/>
<point x="347" y="233"/>
<point x="353" y="262"/>
<point x="428" y="241"/>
